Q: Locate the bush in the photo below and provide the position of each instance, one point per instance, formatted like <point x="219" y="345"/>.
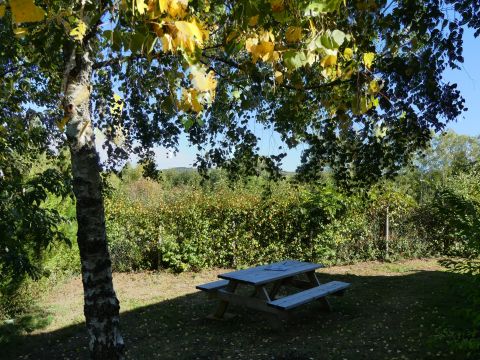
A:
<point x="187" y="228"/>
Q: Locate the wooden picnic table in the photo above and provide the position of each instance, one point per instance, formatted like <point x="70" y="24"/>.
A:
<point x="266" y="282"/>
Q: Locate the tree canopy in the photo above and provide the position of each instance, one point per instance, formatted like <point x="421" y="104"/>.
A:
<point x="360" y="83"/>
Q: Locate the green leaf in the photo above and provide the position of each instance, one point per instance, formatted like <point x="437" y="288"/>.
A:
<point x="188" y="123"/>
<point x="338" y="37"/>
<point x="294" y="59"/>
<point x="318" y="7"/>
<point x="136" y="42"/>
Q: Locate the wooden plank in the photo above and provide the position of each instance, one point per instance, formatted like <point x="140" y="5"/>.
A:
<point x="269" y="273"/>
<point x="212" y="286"/>
<point x="303" y="297"/>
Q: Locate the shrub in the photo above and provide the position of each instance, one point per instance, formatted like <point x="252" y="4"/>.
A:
<point x="187" y="228"/>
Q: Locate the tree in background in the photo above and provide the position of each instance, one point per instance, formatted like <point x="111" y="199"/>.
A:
<point x="360" y="83"/>
<point x="27" y="225"/>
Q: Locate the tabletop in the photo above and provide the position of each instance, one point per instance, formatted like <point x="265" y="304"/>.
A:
<point x="264" y="274"/>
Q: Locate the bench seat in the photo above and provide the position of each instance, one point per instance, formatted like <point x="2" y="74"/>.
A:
<point x="306" y="296"/>
<point x="212" y="286"/>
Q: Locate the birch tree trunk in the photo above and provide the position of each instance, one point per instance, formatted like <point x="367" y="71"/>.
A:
<point x="101" y="307"/>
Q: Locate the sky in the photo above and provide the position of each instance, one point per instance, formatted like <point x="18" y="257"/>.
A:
<point x="467" y="78"/>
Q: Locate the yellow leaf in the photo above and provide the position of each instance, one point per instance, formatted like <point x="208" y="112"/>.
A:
<point x="2" y="10"/>
<point x="163" y="5"/>
<point x="117" y="105"/>
<point x="61" y="123"/>
<point x="311" y="58"/>
<point x="189" y="101"/>
<point x="253" y="20"/>
<point x="328" y="60"/>
<point x="374" y="87"/>
<point x="264" y="51"/>
<point x="249" y="43"/>
<point x="231" y="36"/>
<point x="26" y="11"/>
<point x="313" y="29"/>
<point x="266" y="36"/>
<point x="141" y="6"/>
<point x="348" y="53"/>
<point x="167" y="44"/>
<point x="190" y="29"/>
<point x="278" y="77"/>
<point x="201" y="80"/>
<point x="20" y="32"/>
<point x="79" y="31"/>
<point x="174" y="8"/>
<point x="293" y="34"/>
<point x="368" y="59"/>
<point x="277" y="5"/>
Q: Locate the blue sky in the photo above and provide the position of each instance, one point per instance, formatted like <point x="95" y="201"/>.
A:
<point x="467" y="78"/>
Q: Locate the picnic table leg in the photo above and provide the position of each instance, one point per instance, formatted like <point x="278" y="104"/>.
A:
<point x="276" y="287"/>
<point x="312" y="277"/>
<point x="223" y="305"/>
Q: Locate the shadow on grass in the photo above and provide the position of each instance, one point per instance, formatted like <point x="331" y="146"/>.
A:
<point x="380" y="317"/>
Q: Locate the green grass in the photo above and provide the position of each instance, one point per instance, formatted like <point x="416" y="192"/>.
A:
<point x="391" y="311"/>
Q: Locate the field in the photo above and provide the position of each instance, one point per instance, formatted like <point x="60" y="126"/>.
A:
<point x="392" y="311"/>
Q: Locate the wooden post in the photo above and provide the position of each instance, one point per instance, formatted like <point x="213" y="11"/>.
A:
<point x="387" y="234"/>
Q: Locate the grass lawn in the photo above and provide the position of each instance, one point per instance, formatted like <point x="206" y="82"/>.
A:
<point x="391" y="311"/>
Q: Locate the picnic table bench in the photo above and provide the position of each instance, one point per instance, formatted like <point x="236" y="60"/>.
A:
<point x="266" y="281"/>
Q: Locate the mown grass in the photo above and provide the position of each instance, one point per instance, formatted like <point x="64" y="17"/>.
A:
<point x="392" y="311"/>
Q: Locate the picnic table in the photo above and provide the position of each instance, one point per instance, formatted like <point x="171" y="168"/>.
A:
<point x="266" y="281"/>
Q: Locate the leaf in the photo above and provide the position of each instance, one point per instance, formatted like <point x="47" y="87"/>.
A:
<point x="203" y="81"/>
<point x="190" y="29"/>
<point x="253" y="21"/>
<point x="2" y="10"/>
<point x="119" y="138"/>
<point x="317" y="7"/>
<point x="61" y="123"/>
<point x="277" y="5"/>
<point x="263" y="49"/>
<point x="188" y="123"/>
<point x="368" y="59"/>
<point x="326" y="41"/>
<point x="24" y="11"/>
<point x="338" y="37"/>
<point x="278" y="77"/>
<point x="174" y="8"/>
<point x="189" y="101"/>
<point x="20" y="32"/>
<point x="328" y="60"/>
<point x="163" y="5"/>
<point x="141" y="6"/>
<point x="294" y="59"/>
<point x="293" y="34"/>
<point x="374" y="87"/>
<point x="79" y="31"/>
<point x="117" y="106"/>
<point x="348" y="53"/>
<point x="136" y="42"/>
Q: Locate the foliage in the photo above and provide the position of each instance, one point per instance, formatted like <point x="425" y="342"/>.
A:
<point x="359" y="83"/>
<point x="466" y="337"/>
<point x="27" y="224"/>
<point x="151" y="225"/>
<point x="451" y="218"/>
